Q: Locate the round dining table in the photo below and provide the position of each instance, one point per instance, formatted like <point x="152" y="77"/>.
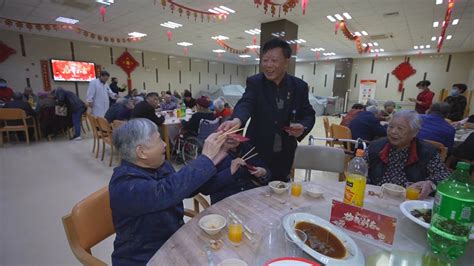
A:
<point x="170" y="128"/>
<point x="189" y="245"/>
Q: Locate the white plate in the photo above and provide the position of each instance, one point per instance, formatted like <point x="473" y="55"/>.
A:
<point x="354" y="257"/>
<point x="407" y="206"/>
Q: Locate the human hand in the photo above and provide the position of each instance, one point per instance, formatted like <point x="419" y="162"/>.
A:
<point x="236" y="164"/>
<point x="229" y="124"/>
<point x="212" y="147"/>
<point x="425" y="188"/>
<point x="412" y="99"/>
<point x="259" y="172"/>
<point x="296" y="130"/>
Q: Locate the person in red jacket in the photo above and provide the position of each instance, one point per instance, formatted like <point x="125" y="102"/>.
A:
<point x="425" y="97"/>
<point x="6" y="93"/>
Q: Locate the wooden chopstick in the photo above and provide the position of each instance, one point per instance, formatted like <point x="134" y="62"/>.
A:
<point x="243" y="157"/>
<point x="251" y="156"/>
<point x="232" y="130"/>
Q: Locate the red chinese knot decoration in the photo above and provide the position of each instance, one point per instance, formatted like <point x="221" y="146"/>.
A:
<point x="287" y="6"/>
<point x="5" y="52"/>
<point x="128" y="64"/>
<point x="402" y="72"/>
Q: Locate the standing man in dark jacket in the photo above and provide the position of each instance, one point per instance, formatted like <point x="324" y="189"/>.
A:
<point x="75" y="106"/>
<point x="272" y="100"/>
<point x="146" y="109"/>
<point x="115" y="89"/>
<point x="146" y="193"/>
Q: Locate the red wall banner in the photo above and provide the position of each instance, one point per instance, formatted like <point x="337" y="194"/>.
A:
<point x="45" y="75"/>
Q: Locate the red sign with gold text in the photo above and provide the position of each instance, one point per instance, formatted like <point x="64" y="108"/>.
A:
<point x="363" y="222"/>
<point x="72" y="70"/>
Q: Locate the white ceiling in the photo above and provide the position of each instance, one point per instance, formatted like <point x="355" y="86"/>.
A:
<point x="413" y="25"/>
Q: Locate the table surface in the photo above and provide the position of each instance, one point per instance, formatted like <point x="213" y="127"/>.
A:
<point x="187" y="245"/>
<point x="462" y="134"/>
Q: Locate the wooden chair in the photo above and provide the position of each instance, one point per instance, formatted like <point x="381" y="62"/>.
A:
<point x="117" y="123"/>
<point x="106" y="136"/>
<point x="95" y="133"/>
<point x="84" y="120"/>
<point x="341" y="132"/>
<point x="327" y="131"/>
<point x="443" y="150"/>
<point x="14" y="114"/>
<point x="200" y="200"/>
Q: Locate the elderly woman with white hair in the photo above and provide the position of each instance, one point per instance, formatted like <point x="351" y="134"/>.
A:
<point x="146" y="193"/>
<point x="388" y="111"/>
<point x="220" y="108"/>
<point x="401" y="158"/>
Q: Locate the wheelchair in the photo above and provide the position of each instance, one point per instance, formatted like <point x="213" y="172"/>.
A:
<point x="189" y="146"/>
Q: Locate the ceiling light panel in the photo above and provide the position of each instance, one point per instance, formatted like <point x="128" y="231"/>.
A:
<point x="184" y="44"/>
<point x="171" y="25"/>
<point x="220" y="37"/>
<point x="67" y="20"/>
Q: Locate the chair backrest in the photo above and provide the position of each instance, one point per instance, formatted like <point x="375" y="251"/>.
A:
<point x="207" y="127"/>
<point x="443" y="150"/>
<point x="104" y="126"/>
<point x="320" y="158"/>
<point x="93" y="121"/>
<point x="117" y="123"/>
<point x="327" y="128"/>
<point x="12" y="114"/>
<point x="341" y="132"/>
<point x="89" y="223"/>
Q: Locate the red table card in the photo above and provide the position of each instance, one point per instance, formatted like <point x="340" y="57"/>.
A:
<point x="363" y="222"/>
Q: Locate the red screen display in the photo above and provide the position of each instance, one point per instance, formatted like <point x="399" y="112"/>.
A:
<point x="72" y="70"/>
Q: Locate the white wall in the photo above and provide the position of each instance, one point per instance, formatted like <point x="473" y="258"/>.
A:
<point x="17" y="67"/>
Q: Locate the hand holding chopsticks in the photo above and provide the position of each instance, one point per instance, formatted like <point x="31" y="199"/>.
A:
<point x="245" y="158"/>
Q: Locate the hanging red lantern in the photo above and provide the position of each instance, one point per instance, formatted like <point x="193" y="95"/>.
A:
<point x="304" y="5"/>
<point x="420" y="54"/>
<point x="254" y="40"/>
<point x="376" y="56"/>
<point x="169" y="35"/>
<point x="318" y="55"/>
<point x="338" y="24"/>
<point x="102" y="12"/>
<point x="186" y="51"/>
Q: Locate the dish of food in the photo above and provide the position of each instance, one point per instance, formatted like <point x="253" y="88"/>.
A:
<point x="278" y="187"/>
<point x="326" y="242"/>
<point x="422" y="214"/>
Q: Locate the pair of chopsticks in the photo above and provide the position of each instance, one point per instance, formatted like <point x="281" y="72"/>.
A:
<point x="247" y="231"/>
<point x="251" y="156"/>
<point x="234" y="129"/>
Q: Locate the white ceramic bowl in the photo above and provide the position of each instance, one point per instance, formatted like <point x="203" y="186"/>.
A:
<point x="313" y="190"/>
<point x="212" y="223"/>
<point x="232" y="262"/>
<point x="394" y="190"/>
<point x="274" y="186"/>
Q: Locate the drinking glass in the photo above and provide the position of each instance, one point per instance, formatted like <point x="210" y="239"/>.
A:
<point x="296" y="188"/>
<point x="235" y="231"/>
<point x="293" y="247"/>
<point x="412" y="192"/>
<point x="272" y="244"/>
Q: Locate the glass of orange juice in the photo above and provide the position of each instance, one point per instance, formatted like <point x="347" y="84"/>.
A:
<point x="296" y="188"/>
<point x="235" y="231"/>
<point x="412" y="193"/>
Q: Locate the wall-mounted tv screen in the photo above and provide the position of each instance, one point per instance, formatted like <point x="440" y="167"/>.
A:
<point x="64" y="70"/>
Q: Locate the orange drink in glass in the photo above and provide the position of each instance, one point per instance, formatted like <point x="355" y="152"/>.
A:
<point x="412" y="193"/>
<point x="296" y="188"/>
<point x="235" y="232"/>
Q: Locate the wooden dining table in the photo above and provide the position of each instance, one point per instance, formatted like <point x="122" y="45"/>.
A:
<point x="188" y="245"/>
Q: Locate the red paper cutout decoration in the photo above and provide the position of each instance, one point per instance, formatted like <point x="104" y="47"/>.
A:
<point x="128" y="64"/>
<point x="304" y="5"/>
<point x="402" y="72"/>
<point x="169" y="33"/>
<point x="5" y="52"/>
<point x="445" y="24"/>
<point x="45" y="75"/>
<point x="102" y="12"/>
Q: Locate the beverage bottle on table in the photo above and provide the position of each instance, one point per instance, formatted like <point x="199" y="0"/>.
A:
<point x="453" y="214"/>
<point x="183" y="109"/>
<point x="356" y="178"/>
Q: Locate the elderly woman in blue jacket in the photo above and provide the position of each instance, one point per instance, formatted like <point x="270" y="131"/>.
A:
<point x="146" y="193"/>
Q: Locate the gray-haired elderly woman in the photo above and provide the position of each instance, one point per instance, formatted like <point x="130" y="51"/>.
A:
<point x="402" y="158"/>
<point x="388" y="110"/>
<point x="146" y="193"/>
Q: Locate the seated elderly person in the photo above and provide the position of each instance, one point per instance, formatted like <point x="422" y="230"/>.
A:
<point x="367" y="126"/>
<point x="168" y="104"/>
<point x="120" y="110"/>
<point x="355" y="110"/>
<point x="18" y="103"/>
<point x="388" y="110"/>
<point x="189" y="100"/>
<point x="30" y="97"/>
<point x="401" y="157"/>
<point x="146" y="193"/>
<point x="434" y="126"/>
<point x="220" y="109"/>
<point x="146" y="109"/>
<point x="203" y="112"/>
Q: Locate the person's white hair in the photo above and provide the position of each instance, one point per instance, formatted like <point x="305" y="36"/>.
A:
<point x="219" y="104"/>
<point x="135" y="132"/>
<point x="123" y="101"/>
<point x="372" y="102"/>
<point x="389" y="103"/>
<point x="372" y="109"/>
<point x="412" y="117"/>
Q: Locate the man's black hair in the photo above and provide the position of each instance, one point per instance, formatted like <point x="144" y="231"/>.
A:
<point x="277" y="43"/>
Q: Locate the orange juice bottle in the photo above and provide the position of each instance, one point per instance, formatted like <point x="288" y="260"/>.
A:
<point x="356" y="178"/>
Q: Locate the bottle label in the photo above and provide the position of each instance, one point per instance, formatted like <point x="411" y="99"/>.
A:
<point x="355" y="190"/>
<point x="454" y="209"/>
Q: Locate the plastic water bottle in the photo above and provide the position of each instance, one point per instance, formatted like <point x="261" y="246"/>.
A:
<point x="183" y="110"/>
<point x="453" y="214"/>
<point x="356" y="178"/>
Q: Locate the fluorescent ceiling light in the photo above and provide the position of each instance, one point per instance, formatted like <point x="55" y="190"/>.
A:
<point x="136" y="34"/>
<point x="428" y="46"/>
<point x="376" y="44"/>
<point x="171" y="25"/>
<point x="364" y="33"/>
<point x="422" y="47"/>
<point x="253" y="32"/>
<point x="345" y="14"/>
<point x="67" y="20"/>
<point x="377" y="50"/>
<point x="105" y="2"/>
<point x="449" y="37"/>
<point x="370" y="44"/>
<point x="221" y="11"/>
<point x="439" y="2"/>
<point x="253" y="46"/>
<point x="219" y="51"/>
<point x="213" y="11"/>
<point x="257" y="59"/>
<point x="244" y="56"/>
<point x="184" y="44"/>
<point x="227" y="9"/>
<point x="433" y="38"/>
<point x="331" y="18"/>
<point x="456" y="21"/>
<point x="220" y="37"/>
<point x="339" y="17"/>
<point x="294" y="56"/>
<point x="372" y="50"/>
<point x="415" y="47"/>
<point x="382" y="50"/>
<point x="364" y="44"/>
<point x="357" y="33"/>
<point x="435" y="24"/>
<point x="300" y="41"/>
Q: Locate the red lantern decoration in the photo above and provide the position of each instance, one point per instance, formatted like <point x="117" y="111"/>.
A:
<point x="254" y="40"/>
<point x="420" y="54"/>
<point x="169" y="35"/>
<point x="338" y="24"/>
<point x="102" y="12"/>
<point x="318" y="55"/>
<point x="402" y="72"/>
<point x="186" y="51"/>
<point x="304" y="5"/>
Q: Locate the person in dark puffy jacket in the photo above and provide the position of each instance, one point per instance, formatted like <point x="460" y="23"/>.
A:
<point x="146" y="193"/>
<point x="74" y="105"/>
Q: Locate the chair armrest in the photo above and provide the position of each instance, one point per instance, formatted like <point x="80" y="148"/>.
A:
<point x="190" y="213"/>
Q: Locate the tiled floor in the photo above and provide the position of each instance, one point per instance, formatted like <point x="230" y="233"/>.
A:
<point x="39" y="184"/>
